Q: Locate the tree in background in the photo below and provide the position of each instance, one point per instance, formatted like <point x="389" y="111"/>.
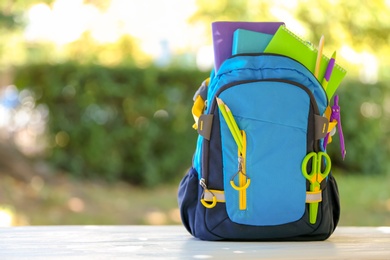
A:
<point x="12" y="161"/>
<point x="12" y="24"/>
<point x="360" y="32"/>
<point x="139" y="108"/>
<point x="360" y="29"/>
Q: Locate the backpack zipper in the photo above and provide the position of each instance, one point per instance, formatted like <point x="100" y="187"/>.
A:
<point x="278" y="55"/>
<point x="243" y="180"/>
<point x="206" y="143"/>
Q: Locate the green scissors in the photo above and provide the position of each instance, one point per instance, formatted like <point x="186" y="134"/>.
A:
<point x="315" y="177"/>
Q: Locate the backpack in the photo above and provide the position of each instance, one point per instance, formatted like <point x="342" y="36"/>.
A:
<point x="261" y="131"/>
<point x="261" y="128"/>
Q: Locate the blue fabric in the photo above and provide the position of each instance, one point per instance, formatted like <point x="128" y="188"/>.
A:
<point x="274" y="116"/>
<point x="197" y="156"/>
<point x="257" y="68"/>
<point x="266" y="67"/>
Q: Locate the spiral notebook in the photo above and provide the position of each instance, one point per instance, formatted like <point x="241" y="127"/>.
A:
<point x="287" y="43"/>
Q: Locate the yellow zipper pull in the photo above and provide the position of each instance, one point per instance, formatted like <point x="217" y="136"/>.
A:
<point x="243" y="179"/>
<point x="240" y="173"/>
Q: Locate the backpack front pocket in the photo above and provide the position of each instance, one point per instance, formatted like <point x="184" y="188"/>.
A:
<point x="274" y="117"/>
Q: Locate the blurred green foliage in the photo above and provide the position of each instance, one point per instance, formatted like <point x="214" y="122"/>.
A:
<point x="365" y="114"/>
<point x="135" y="124"/>
<point x="362" y="25"/>
<point x="116" y="123"/>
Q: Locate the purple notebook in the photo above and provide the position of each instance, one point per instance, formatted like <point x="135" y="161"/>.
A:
<point x="223" y="36"/>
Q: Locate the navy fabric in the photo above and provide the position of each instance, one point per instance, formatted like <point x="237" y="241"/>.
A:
<point x="188" y="199"/>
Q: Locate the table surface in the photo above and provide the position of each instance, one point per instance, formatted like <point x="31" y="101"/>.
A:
<point x="173" y="242"/>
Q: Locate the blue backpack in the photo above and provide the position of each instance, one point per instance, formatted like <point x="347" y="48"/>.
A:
<point x="260" y="170"/>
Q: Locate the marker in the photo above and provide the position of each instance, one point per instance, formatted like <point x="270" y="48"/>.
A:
<point x="319" y="56"/>
<point x="329" y="70"/>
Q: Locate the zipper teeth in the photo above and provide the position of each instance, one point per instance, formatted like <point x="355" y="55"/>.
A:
<point x="313" y="102"/>
<point x="276" y="55"/>
<point x="243" y="178"/>
<point x="232" y="84"/>
<point x="206" y="143"/>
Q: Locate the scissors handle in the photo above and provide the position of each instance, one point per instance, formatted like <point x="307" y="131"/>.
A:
<point x="328" y="164"/>
<point x="305" y="162"/>
<point x="316" y="174"/>
<point x="315" y="177"/>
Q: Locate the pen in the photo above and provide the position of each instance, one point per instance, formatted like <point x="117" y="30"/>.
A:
<point x="329" y="70"/>
<point x="222" y="108"/>
<point x="319" y="56"/>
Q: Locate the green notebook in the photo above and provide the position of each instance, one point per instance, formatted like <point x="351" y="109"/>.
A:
<point x="287" y="43"/>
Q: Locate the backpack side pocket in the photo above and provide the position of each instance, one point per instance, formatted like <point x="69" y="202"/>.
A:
<point x="188" y="199"/>
<point x="334" y="199"/>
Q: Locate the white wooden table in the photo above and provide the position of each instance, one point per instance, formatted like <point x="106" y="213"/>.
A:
<point x="173" y="242"/>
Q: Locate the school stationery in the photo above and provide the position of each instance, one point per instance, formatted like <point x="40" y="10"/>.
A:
<point x="329" y="71"/>
<point x="246" y="41"/>
<point x="287" y="43"/>
<point x="315" y="177"/>
<point x="234" y="124"/>
<point x="229" y="120"/>
<point x="319" y="56"/>
<point x="336" y="118"/>
<point x="222" y="35"/>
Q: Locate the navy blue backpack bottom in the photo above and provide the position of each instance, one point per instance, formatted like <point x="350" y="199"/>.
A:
<point x="214" y="224"/>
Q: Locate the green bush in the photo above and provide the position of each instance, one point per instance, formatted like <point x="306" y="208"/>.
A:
<point x="365" y="111"/>
<point x="135" y="124"/>
<point x="116" y="123"/>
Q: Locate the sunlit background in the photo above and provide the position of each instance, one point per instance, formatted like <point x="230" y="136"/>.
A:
<point x="159" y="27"/>
<point x="43" y="170"/>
